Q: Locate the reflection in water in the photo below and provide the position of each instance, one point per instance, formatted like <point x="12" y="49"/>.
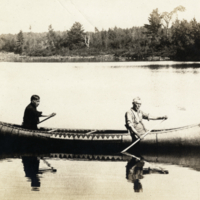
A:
<point x="178" y="68"/>
<point x="32" y="171"/>
<point x="184" y="157"/>
<point x="135" y="171"/>
<point x="136" y="168"/>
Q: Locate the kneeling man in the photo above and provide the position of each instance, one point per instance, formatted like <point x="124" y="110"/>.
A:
<point x="134" y="117"/>
<point x="31" y="115"/>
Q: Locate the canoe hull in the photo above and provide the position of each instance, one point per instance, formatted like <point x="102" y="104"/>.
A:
<point x="82" y="139"/>
<point x="180" y="137"/>
<point x="19" y="139"/>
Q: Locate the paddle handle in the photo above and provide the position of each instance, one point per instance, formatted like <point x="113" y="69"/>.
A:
<point x="90" y="132"/>
<point x="52" y="130"/>
<point x="46" y="118"/>
<point x="141" y="137"/>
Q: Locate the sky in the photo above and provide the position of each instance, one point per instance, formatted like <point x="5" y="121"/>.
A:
<point x="16" y="15"/>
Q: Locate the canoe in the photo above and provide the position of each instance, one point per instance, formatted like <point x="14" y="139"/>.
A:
<point x="186" y="136"/>
<point x="181" y="137"/>
<point x="61" y="139"/>
<point x="118" y="136"/>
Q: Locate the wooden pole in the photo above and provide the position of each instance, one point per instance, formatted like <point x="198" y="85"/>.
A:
<point x="141" y="137"/>
<point x="90" y="132"/>
<point x="46" y="119"/>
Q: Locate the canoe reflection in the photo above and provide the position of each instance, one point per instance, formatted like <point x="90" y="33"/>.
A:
<point x="32" y="171"/>
<point x="187" y="157"/>
<point x="135" y="171"/>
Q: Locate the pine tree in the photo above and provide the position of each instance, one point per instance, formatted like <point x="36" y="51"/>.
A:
<point x="76" y="36"/>
<point x="19" y="43"/>
<point x="51" y="38"/>
<point x="154" y="23"/>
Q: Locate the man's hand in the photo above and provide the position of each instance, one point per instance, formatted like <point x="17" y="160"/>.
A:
<point x="53" y="114"/>
<point x="135" y="133"/>
<point x="165" y="117"/>
<point x="137" y="136"/>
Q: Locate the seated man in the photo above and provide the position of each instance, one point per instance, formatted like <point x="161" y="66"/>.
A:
<point x="31" y="115"/>
<point x="134" y="117"/>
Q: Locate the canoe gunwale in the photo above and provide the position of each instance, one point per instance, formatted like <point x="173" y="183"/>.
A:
<point x="43" y="132"/>
<point x="160" y="131"/>
<point x="76" y="134"/>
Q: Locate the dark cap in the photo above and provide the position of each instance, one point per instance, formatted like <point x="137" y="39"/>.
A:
<point x="35" y="97"/>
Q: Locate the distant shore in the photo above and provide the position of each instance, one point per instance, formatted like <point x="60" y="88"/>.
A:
<point x="11" y="57"/>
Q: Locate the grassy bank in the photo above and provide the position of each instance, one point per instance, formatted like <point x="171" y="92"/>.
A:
<point x="11" y="57"/>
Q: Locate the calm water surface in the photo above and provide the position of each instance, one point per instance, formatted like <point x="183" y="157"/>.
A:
<point x="97" y="95"/>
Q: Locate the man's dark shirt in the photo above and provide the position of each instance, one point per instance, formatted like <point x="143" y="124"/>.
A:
<point x="31" y="117"/>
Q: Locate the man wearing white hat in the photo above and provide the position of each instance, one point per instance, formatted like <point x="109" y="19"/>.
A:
<point x="134" y="117"/>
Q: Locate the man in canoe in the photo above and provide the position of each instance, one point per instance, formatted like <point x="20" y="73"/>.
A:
<point x="134" y="117"/>
<point x="31" y="115"/>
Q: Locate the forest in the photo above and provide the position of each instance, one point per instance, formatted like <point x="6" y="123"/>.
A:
<point x="164" y="36"/>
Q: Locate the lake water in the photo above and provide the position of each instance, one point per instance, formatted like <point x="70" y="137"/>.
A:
<point x="96" y="96"/>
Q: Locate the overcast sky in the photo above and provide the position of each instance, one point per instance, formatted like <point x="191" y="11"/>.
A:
<point x="16" y="15"/>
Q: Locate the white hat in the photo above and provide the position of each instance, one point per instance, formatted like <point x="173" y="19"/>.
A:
<point x="137" y="100"/>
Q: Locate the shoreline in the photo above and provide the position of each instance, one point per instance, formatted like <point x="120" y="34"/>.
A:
<point x="11" y="57"/>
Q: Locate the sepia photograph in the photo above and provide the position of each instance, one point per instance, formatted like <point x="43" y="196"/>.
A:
<point x="99" y="99"/>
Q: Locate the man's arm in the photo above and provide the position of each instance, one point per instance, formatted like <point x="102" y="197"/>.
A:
<point x="149" y="117"/>
<point x="157" y="118"/>
<point x="51" y="115"/>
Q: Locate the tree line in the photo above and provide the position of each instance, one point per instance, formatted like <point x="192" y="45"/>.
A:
<point x="165" y="35"/>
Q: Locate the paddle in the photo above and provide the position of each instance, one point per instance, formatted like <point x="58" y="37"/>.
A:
<point x="49" y="165"/>
<point x="90" y="132"/>
<point x="141" y="137"/>
<point x="52" y="130"/>
<point x="52" y="115"/>
<point x="57" y="129"/>
<point x="133" y="156"/>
